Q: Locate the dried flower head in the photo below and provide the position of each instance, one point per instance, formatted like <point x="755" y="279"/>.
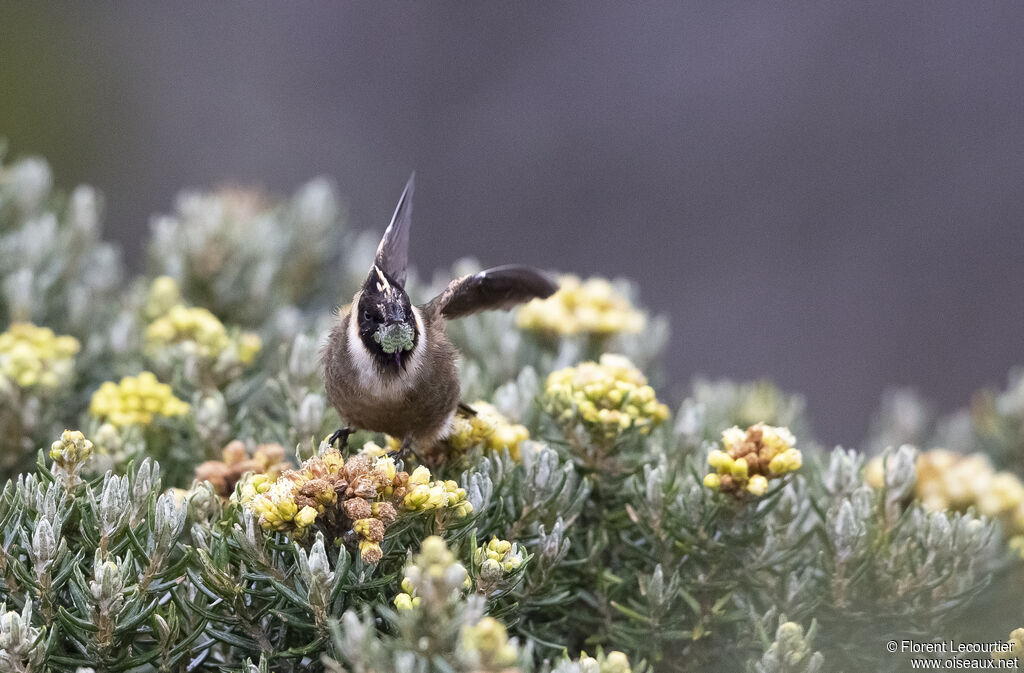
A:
<point x="361" y="495"/>
<point x="136" y="400"/>
<point x="593" y="306"/>
<point x="749" y="459"/>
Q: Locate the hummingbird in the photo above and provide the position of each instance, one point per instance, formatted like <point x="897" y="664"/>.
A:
<point x="388" y="364"/>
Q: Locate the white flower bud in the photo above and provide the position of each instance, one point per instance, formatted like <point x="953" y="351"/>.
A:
<point x="84" y="211"/>
<point x="44" y="547"/>
<point x="163" y="630"/>
<point x="846" y="531"/>
<point x="900" y="471"/>
<point x="304" y="358"/>
<point x="455" y="576"/>
<point x="114" y="507"/>
<point x="310" y="415"/>
<point x="168" y="522"/>
<point x="31" y="182"/>
<point x="106" y="585"/>
<point x="147" y="480"/>
<point x="316" y="204"/>
<point x="19" y="649"/>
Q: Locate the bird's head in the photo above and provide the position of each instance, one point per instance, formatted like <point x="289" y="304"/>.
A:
<point x="386" y="322"/>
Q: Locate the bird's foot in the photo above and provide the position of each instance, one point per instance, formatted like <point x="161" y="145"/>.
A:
<point x="404" y="451"/>
<point x="340" y="435"/>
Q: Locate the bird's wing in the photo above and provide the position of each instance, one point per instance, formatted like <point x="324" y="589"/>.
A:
<point x="501" y="287"/>
<point x="393" y="251"/>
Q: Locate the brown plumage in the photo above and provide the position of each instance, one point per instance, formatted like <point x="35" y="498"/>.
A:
<point x="388" y="366"/>
<point x="417" y="404"/>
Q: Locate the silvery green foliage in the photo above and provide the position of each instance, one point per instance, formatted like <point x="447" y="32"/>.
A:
<point x="242" y="256"/>
<point x="55" y="270"/>
<point x="297" y="389"/>
<point x="212" y="422"/>
<point x="886" y="560"/>
<point x="996" y="424"/>
<point x="22" y="646"/>
<point x="904" y="418"/>
<point x="993" y="424"/>
<point x="117" y="572"/>
<point x="727" y="403"/>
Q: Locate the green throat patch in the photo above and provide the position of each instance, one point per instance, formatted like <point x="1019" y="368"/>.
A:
<point x="394" y="338"/>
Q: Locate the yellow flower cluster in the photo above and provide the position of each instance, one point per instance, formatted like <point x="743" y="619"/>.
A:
<point x="407" y="599"/>
<point x="488" y="646"/>
<point x="613" y="662"/>
<point x="135" y="401"/>
<point x="196" y="326"/>
<point x="267" y="459"/>
<point x="499" y="555"/>
<point x="361" y="494"/>
<point x="425" y="494"/>
<point x="489" y="429"/>
<point x="1015" y="647"/>
<point x="71" y="449"/>
<point x="35" y="357"/>
<point x="608" y="397"/>
<point x="748" y="459"/>
<point x="590" y="307"/>
<point x="433" y="574"/>
<point x="950" y="480"/>
<point x="375" y="450"/>
<point x="163" y="294"/>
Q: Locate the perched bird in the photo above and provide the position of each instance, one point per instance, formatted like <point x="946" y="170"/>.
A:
<point x="388" y="365"/>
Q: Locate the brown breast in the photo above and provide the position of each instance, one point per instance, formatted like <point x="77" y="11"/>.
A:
<point x="417" y="403"/>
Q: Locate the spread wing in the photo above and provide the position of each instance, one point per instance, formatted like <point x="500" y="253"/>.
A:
<point x="501" y="287"/>
<point x="393" y="251"/>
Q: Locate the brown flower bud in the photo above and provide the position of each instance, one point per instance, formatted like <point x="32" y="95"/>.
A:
<point x="271" y="453"/>
<point x="356" y="466"/>
<point x="234" y="452"/>
<point x="357" y="508"/>
<point x="371" y="529"/>
<point x="386" y="512"/>
<point x="216" y="473"/>
<point x="363" y="487"/>
<point x="372" y="554"/>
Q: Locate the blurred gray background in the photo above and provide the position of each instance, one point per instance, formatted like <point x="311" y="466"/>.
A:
<point x="828" y="195"/>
